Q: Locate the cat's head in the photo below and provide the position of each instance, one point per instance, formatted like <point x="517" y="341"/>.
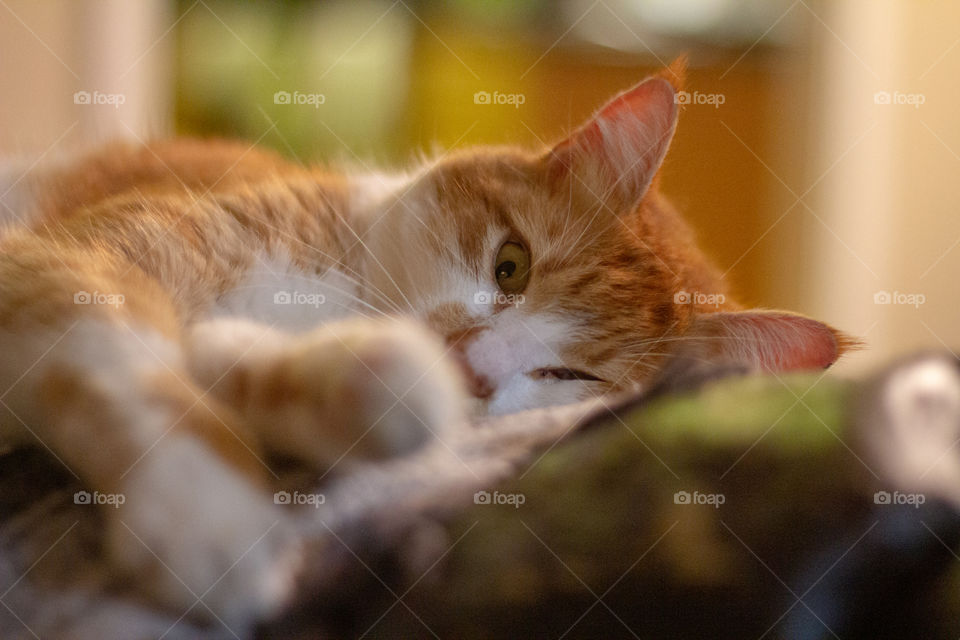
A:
<point x="561" y="274"/>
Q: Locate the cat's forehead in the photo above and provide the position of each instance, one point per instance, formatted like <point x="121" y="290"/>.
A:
<point x="489" y="175"/>
<point x="486" y="195"/>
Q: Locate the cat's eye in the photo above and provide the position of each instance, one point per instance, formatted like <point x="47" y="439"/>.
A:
<point x="512" y="267"/>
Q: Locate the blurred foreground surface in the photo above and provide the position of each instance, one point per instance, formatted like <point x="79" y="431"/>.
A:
<point x="717" y="507"/>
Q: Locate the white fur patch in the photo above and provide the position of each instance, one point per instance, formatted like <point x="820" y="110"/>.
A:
<point x="511" y="348"/>
<point x="278" y="293"/>
<point x="215" y="346"/>
<point x="215" y="534"/>
<point x="368" y="191"/>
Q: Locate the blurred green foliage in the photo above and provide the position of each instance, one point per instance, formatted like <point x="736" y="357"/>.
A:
<point x="367" y="73"/>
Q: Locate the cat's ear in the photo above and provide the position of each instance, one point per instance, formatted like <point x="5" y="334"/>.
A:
<point x="615" y="155"/>
<point x="765" y="340"/>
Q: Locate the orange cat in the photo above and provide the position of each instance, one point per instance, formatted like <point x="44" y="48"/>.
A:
<point x="173" y="315"/>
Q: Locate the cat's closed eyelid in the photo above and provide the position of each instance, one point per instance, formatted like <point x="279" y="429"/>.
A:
<point x="563" y="373"/>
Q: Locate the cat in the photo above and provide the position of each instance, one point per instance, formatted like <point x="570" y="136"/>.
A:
<point x="175" y="315"/>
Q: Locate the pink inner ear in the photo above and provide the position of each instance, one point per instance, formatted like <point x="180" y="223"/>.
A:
<point x="793" y="342"/>
<point x="650" y="101"/>
<point x="629" y="134"/>
<point x="771" y="340"/>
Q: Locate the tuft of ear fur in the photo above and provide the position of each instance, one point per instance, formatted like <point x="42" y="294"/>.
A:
<point x="765" y="340"/>
<point x="675" y="73"/>
<point x="617" y="153"/>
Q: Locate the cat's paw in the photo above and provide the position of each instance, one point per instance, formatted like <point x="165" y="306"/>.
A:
<point x="200" y="539"/>
<point x="368" y="389"/>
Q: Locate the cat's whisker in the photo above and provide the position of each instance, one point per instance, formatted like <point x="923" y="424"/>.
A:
<point x="448" y="250"/>
<point x="374" y="257"/>
<point x="353" y="276"/>
<point x="328" y="287"/>
<point x="342" y="269"/>
<point x="366" y="286"/>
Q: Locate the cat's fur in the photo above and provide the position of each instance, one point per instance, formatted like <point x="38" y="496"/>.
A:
<point x="179" y="394"/>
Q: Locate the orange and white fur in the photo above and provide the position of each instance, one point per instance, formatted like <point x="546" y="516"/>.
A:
<point x="174" y="316"/>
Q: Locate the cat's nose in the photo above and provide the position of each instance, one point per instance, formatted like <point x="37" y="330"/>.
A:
<point x="478" y="385"/>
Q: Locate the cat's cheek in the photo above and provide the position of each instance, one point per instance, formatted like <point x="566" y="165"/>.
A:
<point x="513" y="345"/>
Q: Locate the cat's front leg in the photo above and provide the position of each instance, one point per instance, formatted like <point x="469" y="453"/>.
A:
<point x="188" y="523"/>
<point x="202" y="539"/>
<point x="357" y="388"/>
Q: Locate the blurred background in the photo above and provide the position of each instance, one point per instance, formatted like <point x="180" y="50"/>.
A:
<point x="816" y="156"/>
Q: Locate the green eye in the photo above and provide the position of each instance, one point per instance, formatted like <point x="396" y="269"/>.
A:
<point x="512" y="268"/>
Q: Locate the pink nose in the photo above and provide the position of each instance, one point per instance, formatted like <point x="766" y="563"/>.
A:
<point x="479" y="386"/>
